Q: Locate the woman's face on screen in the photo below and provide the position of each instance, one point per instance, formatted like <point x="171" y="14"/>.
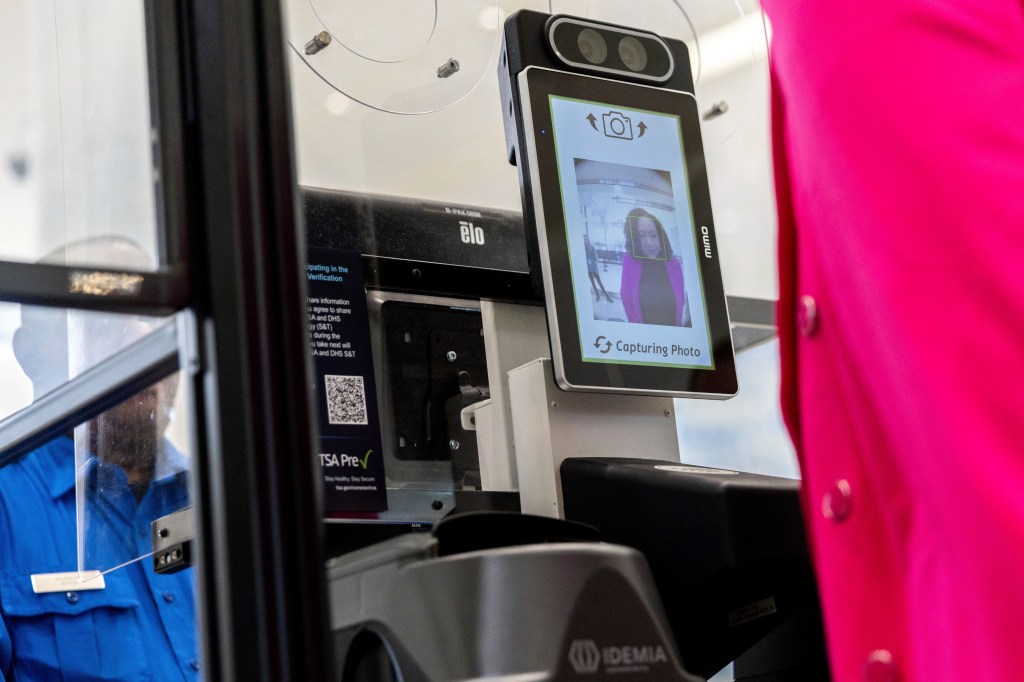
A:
<point x="648" y="238"/>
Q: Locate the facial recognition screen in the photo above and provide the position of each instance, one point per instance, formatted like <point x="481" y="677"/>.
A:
<point x="631" y="236"/>
<point x="622" y="214"/>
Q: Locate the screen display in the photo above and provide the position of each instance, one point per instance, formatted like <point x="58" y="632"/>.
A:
<point x="631" y="236"/>
<point x="619" y="202"/>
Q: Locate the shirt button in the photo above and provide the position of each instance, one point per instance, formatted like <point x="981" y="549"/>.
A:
<point x="880" y="667"/>
<point x="195" y="664"/>
<point x="838" y="502"/>
<point x="168" y="597"/>
<point x="72" y="597"/>
<point x="807" y="316"/>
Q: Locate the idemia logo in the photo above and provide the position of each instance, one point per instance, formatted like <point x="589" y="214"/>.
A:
<point x="584" y="656"/>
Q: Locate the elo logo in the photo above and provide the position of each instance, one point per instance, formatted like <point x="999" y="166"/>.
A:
<point x="584" y="656"/>
<point x="470" y="233"/>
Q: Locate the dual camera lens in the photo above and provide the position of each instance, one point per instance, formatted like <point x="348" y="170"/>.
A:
<point x="594" y="49"/>
<point x="610" y="49"/>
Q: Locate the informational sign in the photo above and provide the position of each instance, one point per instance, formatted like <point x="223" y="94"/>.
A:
<point x="350" y="442"/>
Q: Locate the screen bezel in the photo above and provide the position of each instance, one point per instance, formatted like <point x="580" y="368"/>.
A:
<point x="571" y="371"/>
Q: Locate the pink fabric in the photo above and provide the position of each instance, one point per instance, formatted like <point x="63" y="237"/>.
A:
<point x="899" y="143"/>
<point x="632" y="272"/>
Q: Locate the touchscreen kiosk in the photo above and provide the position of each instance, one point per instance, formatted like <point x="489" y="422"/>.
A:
<point x="622" y="216"/>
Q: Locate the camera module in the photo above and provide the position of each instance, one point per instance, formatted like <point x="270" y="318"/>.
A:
<point x="607" y="49"/>
<point x="593" y="46"/>
<point x="633" y="53"/>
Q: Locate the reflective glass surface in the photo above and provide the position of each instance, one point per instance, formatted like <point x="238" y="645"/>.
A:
<point x="76" y="139"/>
<point x="46" y="350"/>
<point x="42" y="348"/>
<point x="405" y="163"/>
<point x="79" y="591"/>
<point x="727" y="44"/>
<point x="129" y="474"/>
<point x="454" y="153"/>
<point x="745" y="433"/>
<point x="79" y="594"/>
<point x="394" y="55"/>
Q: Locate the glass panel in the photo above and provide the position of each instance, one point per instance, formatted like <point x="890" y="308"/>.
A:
<point x="17" y="387"/>
<point x="451" y="151"/>
<point x="62" y="622"/>
<point x="75" y="134"/>
<point x="745" y="433"/>
<point x="454" y="155"/>
<point x="407" y="166"/>
<point x="406" y="57"/>
<point x="129" y="474"/>
<point x="77" y="187"/>
<point x="428" y="354"/>
<point x="43" y="348"/>
<point x="727" y="42"/>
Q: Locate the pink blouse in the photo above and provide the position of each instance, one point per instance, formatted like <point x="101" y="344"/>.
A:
<point x="899" y="144"/>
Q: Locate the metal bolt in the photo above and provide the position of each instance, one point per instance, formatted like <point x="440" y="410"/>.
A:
<point x="163" y="532"/>
<point x="554" y="405"/>
<point x="668" y="413"/>
<point x="318" y="42"/>
<point x="449" y="68"/>
<point x="715" y="111"/>
<point x="452" y="357"/>
<point x="453" y="444"/>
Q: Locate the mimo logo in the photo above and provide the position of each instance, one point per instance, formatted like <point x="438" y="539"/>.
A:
<point x="584" y="656"/>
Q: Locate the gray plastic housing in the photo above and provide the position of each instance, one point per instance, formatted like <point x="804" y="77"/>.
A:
<point x="557" y="611"/>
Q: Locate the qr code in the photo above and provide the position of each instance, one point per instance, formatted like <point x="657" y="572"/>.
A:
<point x="346" y="400"/>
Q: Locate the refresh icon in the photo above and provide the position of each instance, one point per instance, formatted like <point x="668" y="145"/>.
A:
<point x="607" y="344"/>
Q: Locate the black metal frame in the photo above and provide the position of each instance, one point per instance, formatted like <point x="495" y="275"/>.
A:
<point x="261" y="534"/>
<point x="144" y="293"/>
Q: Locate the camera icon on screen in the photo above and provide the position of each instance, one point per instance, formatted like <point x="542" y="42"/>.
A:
<point x="617" y="125"/>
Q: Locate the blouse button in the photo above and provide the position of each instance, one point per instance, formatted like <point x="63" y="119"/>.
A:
<point x="807" y="316"/>
<point x="72" y="597"/>
<point x="880" y="667"/>
<point x="838" y="502"/>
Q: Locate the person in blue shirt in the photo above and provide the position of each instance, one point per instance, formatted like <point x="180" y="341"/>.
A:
<point x="141" y="625"/>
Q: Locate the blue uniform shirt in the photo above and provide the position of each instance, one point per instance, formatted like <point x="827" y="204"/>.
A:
<point x="141" y="626"/>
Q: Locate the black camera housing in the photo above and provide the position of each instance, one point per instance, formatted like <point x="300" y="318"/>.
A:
<point x="537" y="39"/>
<point x="587" y="45"/>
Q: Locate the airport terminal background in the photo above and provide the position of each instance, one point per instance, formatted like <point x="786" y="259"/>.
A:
<point x="76" y="161"/>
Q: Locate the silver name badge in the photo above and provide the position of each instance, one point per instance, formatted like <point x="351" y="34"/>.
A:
<point x="75" y="581"/>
